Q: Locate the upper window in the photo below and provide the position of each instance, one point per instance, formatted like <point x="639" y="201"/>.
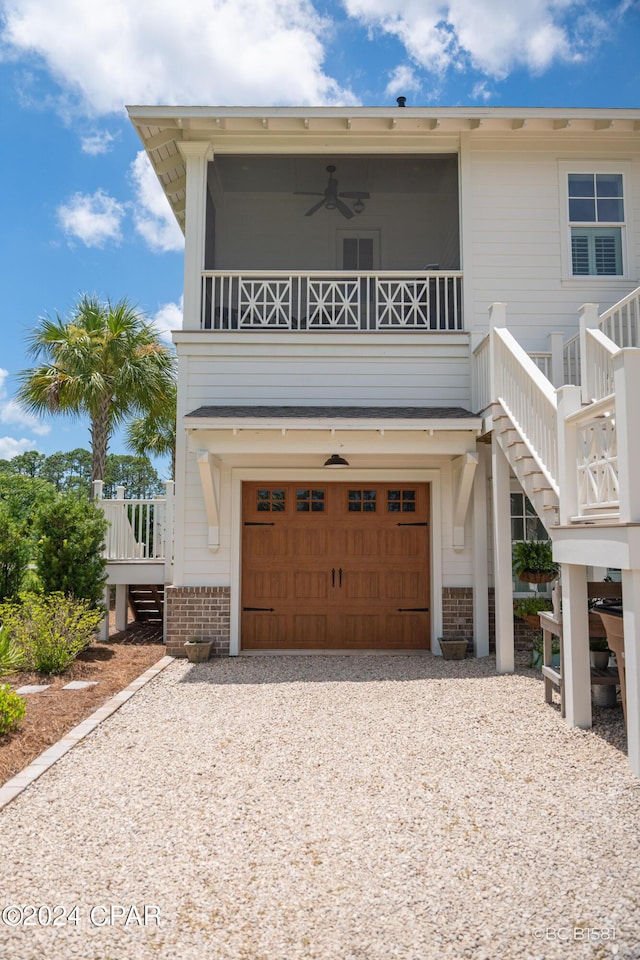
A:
<point x="596" y="220"/>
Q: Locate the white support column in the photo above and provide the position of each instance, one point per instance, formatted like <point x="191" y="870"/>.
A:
<point x="626" y="374"/>
<point x="502" y="570"/>
<point x="480" y="557"/>
<point x="556" y="341"/>
<point x="569" y="401"/>
<point x="575" y="627"/>
<point x="196" y="154"/>
<point x="122" y="604"/>
<point x="589" y="320"/>
<point x="631" y="604"/>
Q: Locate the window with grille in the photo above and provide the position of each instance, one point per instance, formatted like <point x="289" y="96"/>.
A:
<point x="596" y="220"/>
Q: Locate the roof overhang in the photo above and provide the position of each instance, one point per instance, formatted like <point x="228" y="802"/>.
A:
<point x="332" y="419"/>
<point x="366" y="130"/>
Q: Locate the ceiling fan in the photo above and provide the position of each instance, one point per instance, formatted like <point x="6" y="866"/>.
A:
<point x="331" y="199"/>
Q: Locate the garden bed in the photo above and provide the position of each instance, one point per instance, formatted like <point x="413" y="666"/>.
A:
<point x="52" y="713"/>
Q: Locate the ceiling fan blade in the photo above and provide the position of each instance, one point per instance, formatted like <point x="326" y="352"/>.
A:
<point x="315" y="208"/>
<point x="344" y="209"/>
<point x="355" y="195"/>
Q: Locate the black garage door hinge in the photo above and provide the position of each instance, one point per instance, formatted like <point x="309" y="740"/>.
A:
<point x="265" y="609"/>
<point x="400" y="523"/>
<point x="413" y="609"/>
<point x="259" y="523"/>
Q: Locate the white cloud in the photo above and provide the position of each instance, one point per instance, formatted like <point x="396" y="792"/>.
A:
<point x="168" y="318"/>
<point x="97" y="143"/>
<point x="10" y="448"/>
<point x="93" y="218"/>
<point x="11" y="413"/>
<point x="493" y="36"/>
<point x="157" y="51"/>
<point x="402" y="81"/>
<point x="152" y="215"/>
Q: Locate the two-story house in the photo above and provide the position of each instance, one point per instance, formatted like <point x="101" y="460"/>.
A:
<point x="388" y="313"/>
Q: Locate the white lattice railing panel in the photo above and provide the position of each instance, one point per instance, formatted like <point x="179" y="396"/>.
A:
<point x="402" y="303"/>
<point x="333" y="303"/>
<point x="597" y="465"/>
<point x="330" y="300"/>
<point x="264" y="303"/>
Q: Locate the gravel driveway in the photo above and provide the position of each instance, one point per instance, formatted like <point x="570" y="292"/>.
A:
<point x="330" y="807"/>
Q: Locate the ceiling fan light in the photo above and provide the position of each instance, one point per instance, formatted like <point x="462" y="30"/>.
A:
<point x="358" y="206"/>
<point x="330" y="205"/>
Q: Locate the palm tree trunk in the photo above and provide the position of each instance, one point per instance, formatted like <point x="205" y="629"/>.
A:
<point x="99" y="441"/>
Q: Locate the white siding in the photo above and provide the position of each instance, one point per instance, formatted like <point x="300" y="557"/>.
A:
<point x="308" y="369"/>
<point x="518" y="228"/>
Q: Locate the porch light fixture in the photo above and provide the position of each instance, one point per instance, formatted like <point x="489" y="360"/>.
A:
<point x="336" y="461"/>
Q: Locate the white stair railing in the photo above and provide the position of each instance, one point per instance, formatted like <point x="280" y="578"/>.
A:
<point x="140" y="528"/>
<point x="528" y="398"/>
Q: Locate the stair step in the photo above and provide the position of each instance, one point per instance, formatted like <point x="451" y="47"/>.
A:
<point x="147" y="601"/>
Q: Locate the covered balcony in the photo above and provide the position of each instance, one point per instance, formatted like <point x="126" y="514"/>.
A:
<point x="313" y="243"/>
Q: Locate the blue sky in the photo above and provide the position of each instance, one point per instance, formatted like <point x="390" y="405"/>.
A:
<point x="81" y="210"/>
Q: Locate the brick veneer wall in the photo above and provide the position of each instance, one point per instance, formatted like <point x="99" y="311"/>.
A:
<point x="197" y="612"/>
<point x="457" y="619"/>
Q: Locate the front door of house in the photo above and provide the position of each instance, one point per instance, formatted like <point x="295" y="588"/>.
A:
<point x="335" y="566"/>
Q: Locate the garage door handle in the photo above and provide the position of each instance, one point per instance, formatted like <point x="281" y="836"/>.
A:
<point x="413" y="609"/>
<point x="333" y="576"/>
<point x="340" y="577"/>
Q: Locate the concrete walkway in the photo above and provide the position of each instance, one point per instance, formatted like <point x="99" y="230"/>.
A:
<point x="339" y="808"/>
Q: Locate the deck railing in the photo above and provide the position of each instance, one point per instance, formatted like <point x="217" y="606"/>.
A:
<point x="332" y="300"/>
<point x="139" y="529"/>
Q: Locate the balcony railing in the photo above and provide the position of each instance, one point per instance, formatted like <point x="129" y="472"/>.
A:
<point x="324" y="300"/>
<point x="139" y="529"/>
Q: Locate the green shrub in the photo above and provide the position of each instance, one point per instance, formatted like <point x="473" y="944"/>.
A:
<point x="530" y="606"/>
<point x="12" y="709"/>
<point x="536" y="556"/>
<point x="14" y="555"/>
<point x="11" y="656"/>
<point x="51" y="630"/>
<point x="71" y="534"/>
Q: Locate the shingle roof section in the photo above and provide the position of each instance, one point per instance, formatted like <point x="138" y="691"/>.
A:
<point x="329" y="413"/>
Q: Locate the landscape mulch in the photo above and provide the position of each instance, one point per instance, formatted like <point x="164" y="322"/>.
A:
<point x="52" y="713"/>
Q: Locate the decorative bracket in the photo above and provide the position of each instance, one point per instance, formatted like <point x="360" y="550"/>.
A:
<point x="464" y="468"/>
<point x="209" y="467"/>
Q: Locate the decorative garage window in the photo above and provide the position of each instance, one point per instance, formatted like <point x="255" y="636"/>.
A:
<point x="401" y="501"/>
<point x="361" y="501"/>
<point x="597" y="213"/>
<point x="270" y="500"/>
<point x="310" y="501"/>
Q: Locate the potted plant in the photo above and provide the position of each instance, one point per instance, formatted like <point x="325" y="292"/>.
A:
<point x="528" y="608"/>
<point x="198" y="649"/>
<point x="453" y="648"/>
<point x="537" y="654"/>
<point x="599" y="653"/>
<point x="533" y="561"/>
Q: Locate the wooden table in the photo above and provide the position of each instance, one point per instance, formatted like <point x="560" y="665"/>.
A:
<point x="553" y="677"/>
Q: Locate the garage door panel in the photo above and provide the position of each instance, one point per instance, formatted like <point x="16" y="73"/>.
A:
<point x="405" y="585"/>
<point x="267" y="541"/>
<point x="360" y="585"/>
<point x="309" y="630"/>
<point x="311" y="585"/>
<point x="401" y="630"/>
<point x="362" y="630"/>
<point x="263" y="630"/>
<point x="270" y="584"/>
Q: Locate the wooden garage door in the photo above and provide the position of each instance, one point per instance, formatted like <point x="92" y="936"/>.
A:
<point x="335" y="566"/>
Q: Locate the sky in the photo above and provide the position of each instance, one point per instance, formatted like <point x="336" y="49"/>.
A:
<point x="82" y="210"/>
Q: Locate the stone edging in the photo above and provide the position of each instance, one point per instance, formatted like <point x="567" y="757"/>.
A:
<point x="22" y="780"/>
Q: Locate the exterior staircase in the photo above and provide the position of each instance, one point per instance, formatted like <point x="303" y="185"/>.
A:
<point x="147" y="602"/>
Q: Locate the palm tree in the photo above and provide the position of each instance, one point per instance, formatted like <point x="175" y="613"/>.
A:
<point x="106" y="362"/>
<point x="153" y="433"/>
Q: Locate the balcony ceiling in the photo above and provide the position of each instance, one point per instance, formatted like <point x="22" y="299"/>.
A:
<point x="335" y="131"/>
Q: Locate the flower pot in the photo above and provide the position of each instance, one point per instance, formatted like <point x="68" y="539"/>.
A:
<point x="198" y="652"/>
<point x="599" y="659"/>
<point x="533" y="620"/>
<point x="455" y="649"/>
<point x="534" y="576"/>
